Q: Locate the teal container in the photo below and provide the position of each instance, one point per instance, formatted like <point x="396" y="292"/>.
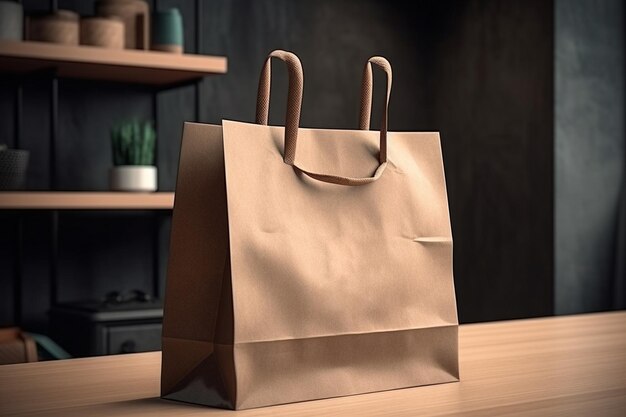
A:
<point x="167" y="31"/>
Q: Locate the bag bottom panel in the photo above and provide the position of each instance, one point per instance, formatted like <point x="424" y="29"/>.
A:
<point x="287" y="371"/>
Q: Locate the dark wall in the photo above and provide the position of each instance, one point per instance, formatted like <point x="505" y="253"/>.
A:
<point x="478" y="71"/>
<point x="489" y="90"/>
<point x="591" y="154"/>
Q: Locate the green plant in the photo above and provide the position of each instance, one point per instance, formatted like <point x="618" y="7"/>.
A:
<point x="133" y="143"/>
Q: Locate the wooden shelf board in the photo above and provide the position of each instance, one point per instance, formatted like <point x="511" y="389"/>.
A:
<point x="81" y="200"/>
<point x="121" y="65"/>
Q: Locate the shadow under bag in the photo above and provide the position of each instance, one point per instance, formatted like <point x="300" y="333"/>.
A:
<point x="307" y="263"/>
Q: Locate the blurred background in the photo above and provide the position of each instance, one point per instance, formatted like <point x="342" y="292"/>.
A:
<point x="528" y="96"/>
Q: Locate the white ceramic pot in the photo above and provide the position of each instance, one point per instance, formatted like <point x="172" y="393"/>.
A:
<point x="133" y="178"/>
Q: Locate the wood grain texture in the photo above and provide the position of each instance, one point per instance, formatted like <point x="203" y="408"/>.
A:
<point x="89" y="62"/>
<point x="559" y="366"/>
<point x="75" y="200"/>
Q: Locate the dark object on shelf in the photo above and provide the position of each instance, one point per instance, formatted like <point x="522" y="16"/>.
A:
<point x="117" y="297"/>
<point x="11" y="21"/>
<point x="16" y="347"/>
<point x="108" y="327"/>
<point x="13" y="165"/>
<point x="59" y="27"/>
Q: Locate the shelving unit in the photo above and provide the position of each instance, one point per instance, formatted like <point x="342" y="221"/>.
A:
<point x="159" y="71"/>
<point x="80" y="200"/>
<point x="151" y="68"/>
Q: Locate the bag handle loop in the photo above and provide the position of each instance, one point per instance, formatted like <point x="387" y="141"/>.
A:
<point x="294" y="107"/>
<point x="367" y="85"/>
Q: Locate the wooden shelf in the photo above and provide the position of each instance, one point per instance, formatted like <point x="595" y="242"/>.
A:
<point x="122" y="65"/>
<point x="80" y="200"/>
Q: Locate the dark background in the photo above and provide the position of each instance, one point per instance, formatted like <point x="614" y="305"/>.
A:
<point x="528" y="96"/>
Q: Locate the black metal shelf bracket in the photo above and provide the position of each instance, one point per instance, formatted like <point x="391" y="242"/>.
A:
<point x="19" y="224"/>
<point x="198" y="88"/>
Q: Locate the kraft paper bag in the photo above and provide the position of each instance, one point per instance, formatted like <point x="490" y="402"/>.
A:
<point x="307" y="263"/>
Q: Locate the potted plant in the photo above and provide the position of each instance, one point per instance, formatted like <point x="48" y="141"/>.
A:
<point x="133" y="146"/>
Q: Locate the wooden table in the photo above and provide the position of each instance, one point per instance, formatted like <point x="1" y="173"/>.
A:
<point x="563" y="366"/>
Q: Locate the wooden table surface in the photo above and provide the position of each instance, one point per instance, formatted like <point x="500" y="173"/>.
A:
<point x="561" y="366"/>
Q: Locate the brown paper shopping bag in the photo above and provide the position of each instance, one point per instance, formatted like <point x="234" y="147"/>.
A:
<point x="307" y="263"/>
